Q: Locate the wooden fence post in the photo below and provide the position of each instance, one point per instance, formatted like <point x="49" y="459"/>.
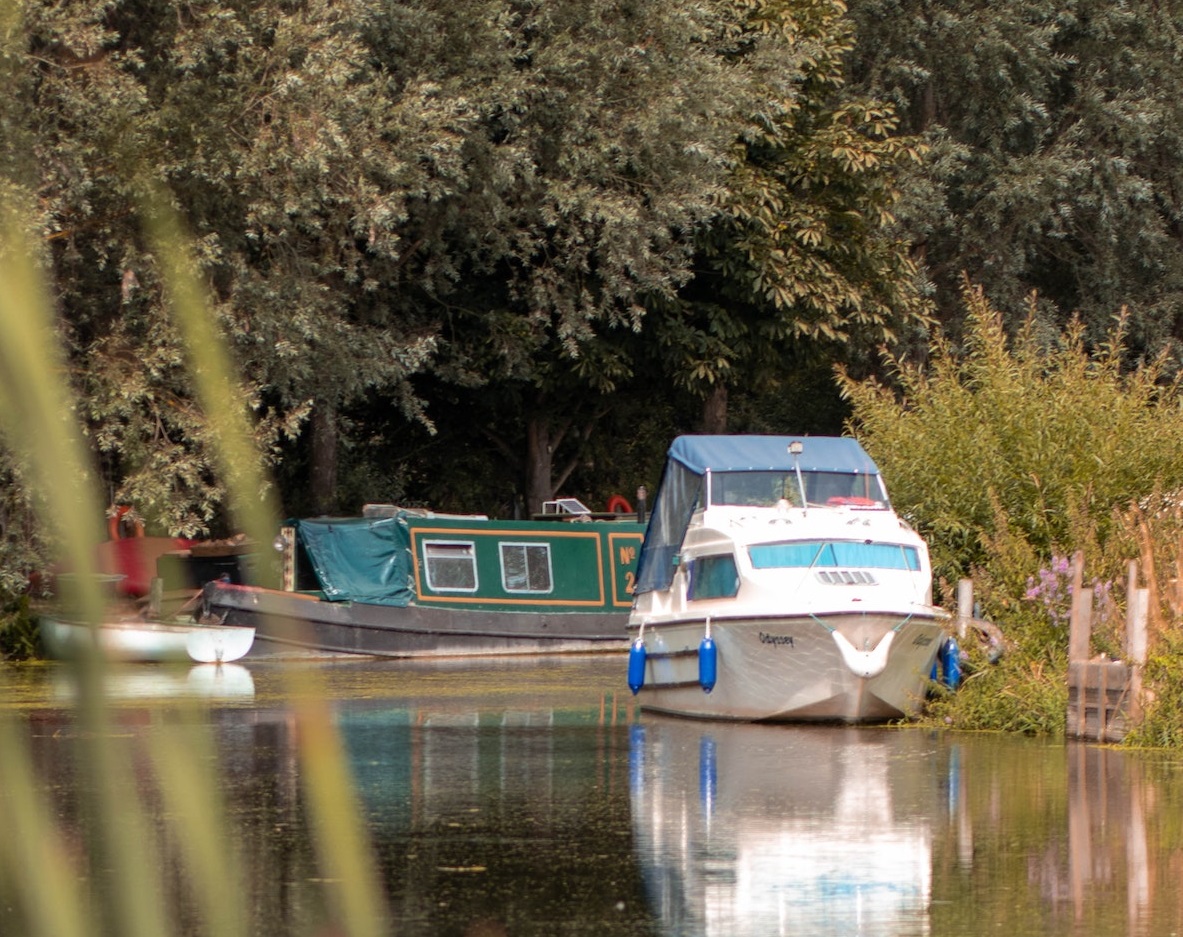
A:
<point x="1080" y="620"/>
<point x="965" y="605"/>
<point x="1104" y="696"/>
<point x="1137" y="616"/>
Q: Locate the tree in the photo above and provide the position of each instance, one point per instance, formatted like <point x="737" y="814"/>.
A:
<point x="802" y="247"/>
<point x="1052" y="130"/>
<point x="268" y="124"/>
<point x="589" y="140"/>
<point x="506" y="199"/>
<point x="784" y="186"/>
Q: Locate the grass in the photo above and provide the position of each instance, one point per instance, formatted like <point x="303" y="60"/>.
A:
<point x="115" y="882"/>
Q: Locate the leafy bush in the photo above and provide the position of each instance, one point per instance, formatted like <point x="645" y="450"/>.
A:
<point x="1017" y="694"/>
<point x="19" y="638"/>
<point x="1009" y="454"/>
<point x="1162" y="724"/>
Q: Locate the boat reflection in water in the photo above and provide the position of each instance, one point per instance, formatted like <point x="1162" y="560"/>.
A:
<point x="164" y="682"/>
<point x="767" y="830"/>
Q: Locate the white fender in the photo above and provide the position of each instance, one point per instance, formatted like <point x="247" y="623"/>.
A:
<point x="865" y="663"/>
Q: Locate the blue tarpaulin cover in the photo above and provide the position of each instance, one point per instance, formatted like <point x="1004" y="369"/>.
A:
<point x="360" y="559"/>
<point x="770" y="453"/>
<point x="691" y="457"/>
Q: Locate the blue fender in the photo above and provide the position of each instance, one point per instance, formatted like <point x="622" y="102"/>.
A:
<point x="950" y="659"/>
<point x="636" y="666"/>
<point x="708" y="664"/>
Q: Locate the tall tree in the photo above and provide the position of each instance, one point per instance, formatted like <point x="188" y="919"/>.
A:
<point x="1053" y="128"/>
<point x="509" y="197"/>
<point x="588" y="141"/>
<point x="709" y="195"/>
<point x="802" y="246"/>
<point x="269" y="123"/>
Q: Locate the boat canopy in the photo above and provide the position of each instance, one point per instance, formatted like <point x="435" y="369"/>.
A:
<point x="770" y="453"/>
<point x="359" y="559"/>
<point x="838" y="462"/>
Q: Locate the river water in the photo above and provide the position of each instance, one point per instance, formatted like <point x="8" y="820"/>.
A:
<point x="534" y="799"/>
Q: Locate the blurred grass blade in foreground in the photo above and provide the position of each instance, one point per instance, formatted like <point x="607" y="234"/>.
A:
<point x="37" y="420"/>
<point x="343" y="849"/>
<point x="118" y="877"/>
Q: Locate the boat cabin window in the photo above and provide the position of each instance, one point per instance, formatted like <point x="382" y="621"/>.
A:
<point x="525" y="567"/>
<point x="834" y="553"/>
<point x="451" y="565"/>
<point x="713" y="577"/>
<point x="765" y="489"/>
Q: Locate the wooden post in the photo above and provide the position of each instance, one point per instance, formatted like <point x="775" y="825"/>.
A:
<point x="155" y="597"/>
<point x="1137" y="615"/>
<point x="1080" y="621"/>
<point x="288" y="573"/>
<point x="965" y="605"/>
<point x="1104" y="695"/>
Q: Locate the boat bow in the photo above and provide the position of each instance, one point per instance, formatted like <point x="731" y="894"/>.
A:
<point x="864" y="664"/>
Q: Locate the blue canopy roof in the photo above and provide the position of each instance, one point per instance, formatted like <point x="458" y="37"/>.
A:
<point x="770" y="454"/>
<point x="691" y="457"/>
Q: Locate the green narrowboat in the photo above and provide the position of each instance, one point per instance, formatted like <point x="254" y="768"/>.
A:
<point x="400" y="582"/>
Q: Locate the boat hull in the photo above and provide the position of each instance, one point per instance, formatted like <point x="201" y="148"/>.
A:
<point x="293" y="624"/>
<point x="145" y="641"/>
<point x="851" y="668"/>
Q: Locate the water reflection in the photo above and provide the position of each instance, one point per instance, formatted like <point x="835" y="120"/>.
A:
<point x="747" y="829"/>
<point x="1107" y="834"/>
<point x="165" y="682"/>
<point x="1053" y="838"/>
<point x="507" y="821"/>
<point x="532" y="801"/>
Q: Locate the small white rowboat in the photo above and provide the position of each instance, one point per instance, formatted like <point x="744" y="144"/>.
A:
<point x="139" y="640"/>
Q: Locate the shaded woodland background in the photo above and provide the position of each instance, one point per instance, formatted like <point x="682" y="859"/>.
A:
<point x="476" y="253"/>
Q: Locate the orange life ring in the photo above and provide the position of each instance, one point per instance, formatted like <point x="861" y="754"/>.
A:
<point x="617" y="504"/>
<point x="115" y="522"/>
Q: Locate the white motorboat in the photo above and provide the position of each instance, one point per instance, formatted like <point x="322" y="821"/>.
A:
<point x="137" y="639"/>
<point x="776" y="583"/>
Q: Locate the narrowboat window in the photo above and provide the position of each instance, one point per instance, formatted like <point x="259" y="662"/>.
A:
<point x="525" y="567"/>
<point x="714" y="577"/>
<point x="451" y="565"/>
<point x="835" y="553"/>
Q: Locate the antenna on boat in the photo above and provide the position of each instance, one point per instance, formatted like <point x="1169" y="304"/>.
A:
<point x="795" y="449"/>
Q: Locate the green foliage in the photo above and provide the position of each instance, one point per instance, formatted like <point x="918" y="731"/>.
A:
<point x="1017" y="694"/>
<point x="1052" y="130"/>
<point x="1162" y="723"/>
<point x="486" y="190"/>
<point x="24" y="543"/>
<point x="1041" y="440"/>
<point x="802" y="245"/>
<point x="19" y="635"/>
<point x="1154" y="532"/>
<point x="1010" y="455"/>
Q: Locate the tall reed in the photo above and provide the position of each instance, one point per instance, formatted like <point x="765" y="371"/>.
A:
<point x="121" y="888"/>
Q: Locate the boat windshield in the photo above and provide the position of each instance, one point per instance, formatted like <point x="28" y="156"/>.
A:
<point x="765" y="489"/>
<point x="834" y="553"/>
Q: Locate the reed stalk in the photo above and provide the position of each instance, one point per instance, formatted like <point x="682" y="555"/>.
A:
<point x="117" y="884"/>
